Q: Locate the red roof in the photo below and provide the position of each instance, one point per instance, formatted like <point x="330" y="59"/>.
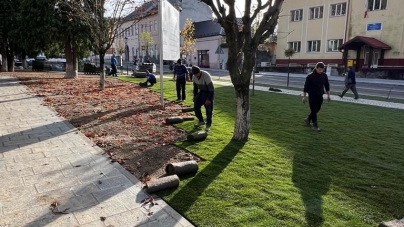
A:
<point x="363" y="40"/>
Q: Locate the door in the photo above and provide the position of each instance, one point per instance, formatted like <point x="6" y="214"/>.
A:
<point x="375" y="59"/>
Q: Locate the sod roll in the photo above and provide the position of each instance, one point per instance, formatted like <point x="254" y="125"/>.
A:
<point x="197" y="136"/>
<point x="179" y="168"/>
<point x="174" y="120"/>
<point x="188" y="118"/>
<point x="187" y="109"/>
<point x="162" y="183"/>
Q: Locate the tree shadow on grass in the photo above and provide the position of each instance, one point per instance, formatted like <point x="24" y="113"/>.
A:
<point x="204" y="178"/>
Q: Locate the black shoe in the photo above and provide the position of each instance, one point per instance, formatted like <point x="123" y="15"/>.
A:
<point x="340" y="96"/>
<point x="306" y="122"/>
<point x="315" y="127"/>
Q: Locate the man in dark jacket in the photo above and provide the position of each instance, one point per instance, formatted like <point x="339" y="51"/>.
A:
<point x="350" y="83"/>
<point x="204" y="93"/>
<point x="180" y="76"/>
<point x="314" y="86"/>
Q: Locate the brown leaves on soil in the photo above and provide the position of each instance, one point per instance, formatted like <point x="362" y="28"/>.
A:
<point x="125" y="120"/>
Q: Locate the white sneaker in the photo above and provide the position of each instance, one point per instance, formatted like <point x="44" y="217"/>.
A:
<point x="207" y="129"/>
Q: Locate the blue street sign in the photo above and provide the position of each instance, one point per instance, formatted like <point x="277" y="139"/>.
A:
<point x="374" y="27"/>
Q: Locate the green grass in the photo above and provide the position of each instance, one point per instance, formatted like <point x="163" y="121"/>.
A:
<point x="349" y="174"/>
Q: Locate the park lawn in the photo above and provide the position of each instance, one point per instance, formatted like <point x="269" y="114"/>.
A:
<point x="349" y="174"/>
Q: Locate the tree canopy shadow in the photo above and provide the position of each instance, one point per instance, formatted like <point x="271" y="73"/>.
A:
<point x="205" y="177"/>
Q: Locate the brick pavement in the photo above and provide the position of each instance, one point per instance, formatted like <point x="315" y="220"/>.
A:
<point x="44" y="159"/>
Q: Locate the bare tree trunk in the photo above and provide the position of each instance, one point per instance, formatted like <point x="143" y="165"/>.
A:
<point x="241" y="82"/>
<point x="242" y="124"/>
<point x="10" y="57"/>
<point x="4" y="57"/>
<point x="71" y="58"/>
<point x="102" y="73"/>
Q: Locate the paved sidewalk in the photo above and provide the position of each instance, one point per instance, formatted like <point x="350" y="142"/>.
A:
<point x="44" y="159"/>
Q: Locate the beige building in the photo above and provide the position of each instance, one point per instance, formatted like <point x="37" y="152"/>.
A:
<point x="367" y="34"/>
<point x="145" y="19"/>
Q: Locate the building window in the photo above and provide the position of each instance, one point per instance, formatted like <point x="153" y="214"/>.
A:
<point x="155" y="25"/>
<point x="338" y="9"/>
<point x="296" y="15"/>
<point x="141" y="28"/>
<point x="295" y="46"/>
<point x="136" y="29"/>
<point x="313" y="46"/>
<point x="316" y="13"/>
<point x="377" y="4"/>
<point x="333" y="44"/>
<point x="131" y="29"/>
<point x="151" y="25"/>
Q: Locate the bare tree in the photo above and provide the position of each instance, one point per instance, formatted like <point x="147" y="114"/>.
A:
<point x="105" y="18"/>
<point x="243" y="43"/>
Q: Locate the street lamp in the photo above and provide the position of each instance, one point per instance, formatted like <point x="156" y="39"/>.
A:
<point x="126" y="49"/>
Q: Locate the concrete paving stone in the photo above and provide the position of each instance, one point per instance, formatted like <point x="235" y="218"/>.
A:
<point x="12" y="182"/>
<point x="4" y="149"/>
<point x="103" y="195"/>
<point x="85" y="189"/>
<point x="53" y="176"/>
<point x="75" y="203"/>
<point x="57" y="152"/>
<point x="18" y="137"/>
<point x="162" y="222"/>
<point x="101" y="164"/>
<point x="52" y="185"/>
<point x="112" y="182"/>
<point x="51" y="167"/>
<point x="28" y="157"/>
<point x="41" y="130"/>
<point x="130" y="196"/>
<point x="106" y="209"/>
<point x="77" y="159"/>
<point x="20" y="142"/>
<point x="16" y="173"/>
<point x="15" y="130"/>
<point x="64" y="220"/>
<point x="23" y="216"/>
<point x="16" y="192"/>
<point x="97" y="223"/>
<point x="97" y="175"/>
<point x="161" y="203"/>
<point x="33" y="163"/>
<point x="38" y="217"/>
<point x="18" y="151"/>
<point x="128" y="219"/>
<point x="82" y="149"/>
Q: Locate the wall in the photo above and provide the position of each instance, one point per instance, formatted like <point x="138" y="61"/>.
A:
<point x="316" y="29"/>
<point x="195" y="10"/>
<point x="211" y="44"/>
<point x="392" y="32"/>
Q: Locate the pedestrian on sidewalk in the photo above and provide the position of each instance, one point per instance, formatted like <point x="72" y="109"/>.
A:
<point x="113" y="66"/>
<point x="350" y="83"/>
<point x="204" y="93"/>
<point x="181" y="77"/>
<point x="314" y="85"/>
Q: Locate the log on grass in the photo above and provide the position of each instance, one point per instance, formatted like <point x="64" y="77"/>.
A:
<point x="187" y="109"/>
<point x="162" y="183"/>
<point x="178" y="119"/>
<point x="197" y="136"/>
<point x="182" y="168"/>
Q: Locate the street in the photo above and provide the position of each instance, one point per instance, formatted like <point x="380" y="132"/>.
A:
<point x="364" y="88"/>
